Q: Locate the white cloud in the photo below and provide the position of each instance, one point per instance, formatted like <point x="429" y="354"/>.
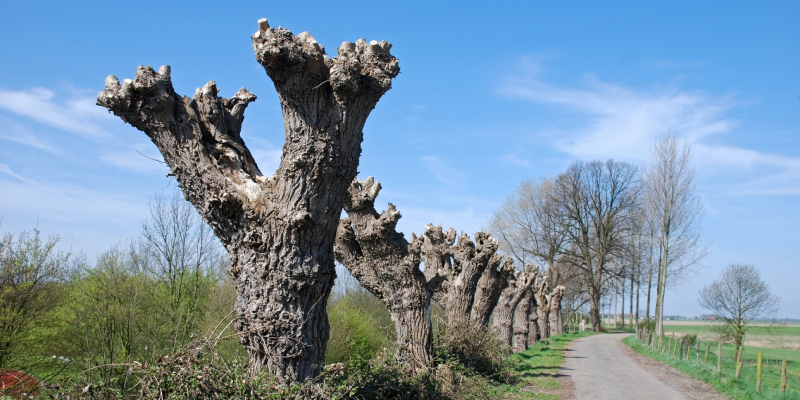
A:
<point x="624" y="122"/>
<point x="12" y="131"/>
<point x="138" y="161"/>
<point x="66" y="202"/>
<point x="79" y="116"/>
<point x="443" y="172"/>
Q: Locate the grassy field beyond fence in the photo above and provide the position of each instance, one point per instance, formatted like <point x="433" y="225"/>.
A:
<point x="741" y="388"/>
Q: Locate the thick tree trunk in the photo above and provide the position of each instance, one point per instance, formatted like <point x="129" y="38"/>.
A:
<point x="368" y="245"/>
<point x="521" y="318"/>
<point x="533" y="322"/>
<point x="493" y="281"/>
<point x="556" y="327"/>
<point x="279" y="230"/>
<point x="543" y="302"/>
<point x="509" y="300"/>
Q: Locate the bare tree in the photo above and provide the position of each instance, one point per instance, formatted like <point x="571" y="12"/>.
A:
<point x="509" y="300"/>
<point x="529" y="226"/>
<point x="492" y="283"/>
<point x="388" y="266"/>
<point x="181" y="253"/>
<point x="279" y="230"/>
<point x="595" y="198"/>
<point x="675" y="212"/>
<point x="740" y="297"/>
<point x="31" y="269"/>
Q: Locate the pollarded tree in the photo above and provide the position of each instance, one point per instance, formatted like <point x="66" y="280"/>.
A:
<point x="493" y="281"/>
<point x="533" y="321"/>
<point x="503" y="314"/>
<point x="436" y="257"/>
<point x="368" y="245"/>
<point x="279" y="230"/>
<point x="469" y="260"/>
<point x="556" y="325"/>
<point x="543" y="304"/>
<point x="521" y="323"/>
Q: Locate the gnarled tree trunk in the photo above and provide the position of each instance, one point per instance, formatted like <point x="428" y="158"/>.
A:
<point x="368" y="245"/>
<point x="469" y="260"/>
<point x="509" y="299"/>
<point x="493" y="281"/>
<point x="543" y="302"/>
<point x="556" y="325"/>
<point x="533" y="322"/>
<point x="279" y="230"/>
<point x="521" y="318"/>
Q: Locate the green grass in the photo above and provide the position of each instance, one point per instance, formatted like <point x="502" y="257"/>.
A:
<point x="537" y="366"/>
<point x="743" y="388"/>
<point x="788" y="330"/>
<point x="777" y="337"/>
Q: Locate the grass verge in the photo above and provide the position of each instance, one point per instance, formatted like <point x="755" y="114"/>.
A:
<point x="536" y="368"/>
<point x="742" y="388"/>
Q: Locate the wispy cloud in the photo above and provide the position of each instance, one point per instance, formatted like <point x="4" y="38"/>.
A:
<point x="623" y="123"/>
<point x="444" y="172"/>
<point x="134" y="160"/>
<point x="12" y="131"/>
<point x="66" y="202"/>
<point x="79" y="116"/>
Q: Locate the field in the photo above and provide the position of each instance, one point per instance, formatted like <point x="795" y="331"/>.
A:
<point x="742" y="388"/>
<point x="786" y="337"/>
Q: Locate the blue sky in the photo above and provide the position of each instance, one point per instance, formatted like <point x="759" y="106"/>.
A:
<point x="489" y="94"/>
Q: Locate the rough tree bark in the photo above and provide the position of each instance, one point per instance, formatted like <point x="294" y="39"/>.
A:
<point x="521" y="318"/>
<point x="509" y="299"/>
<point x="382" y="260"/>
<point x="533" y="322"/>
<point x="279" y="230"/>
<point x="469" y="261"/>
<point x="556" y="325"/>
<point x="493" y="281"/>
<point x="543" y="302"/>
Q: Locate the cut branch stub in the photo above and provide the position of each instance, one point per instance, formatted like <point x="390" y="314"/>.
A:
<point x="279" y="230"/>
<point x="368" y="245"/>
<point x="493" y="281"/>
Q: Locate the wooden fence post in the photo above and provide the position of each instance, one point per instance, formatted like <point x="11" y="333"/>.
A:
<point x="680" y="355"/>
<point x="784" y="375"/>
<point x="758" y="371"/>
<point x="708" y="347"/>
<point x="719" y="357"/>
<point x="697" y="352"/>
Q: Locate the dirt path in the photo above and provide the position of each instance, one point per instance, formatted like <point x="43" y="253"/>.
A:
<point x="601" y="367"/>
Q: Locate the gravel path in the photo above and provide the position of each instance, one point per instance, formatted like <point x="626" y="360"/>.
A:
<point x="602" y="367"/>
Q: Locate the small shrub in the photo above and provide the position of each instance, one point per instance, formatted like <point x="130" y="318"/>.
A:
<point x="476" y="349"/>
